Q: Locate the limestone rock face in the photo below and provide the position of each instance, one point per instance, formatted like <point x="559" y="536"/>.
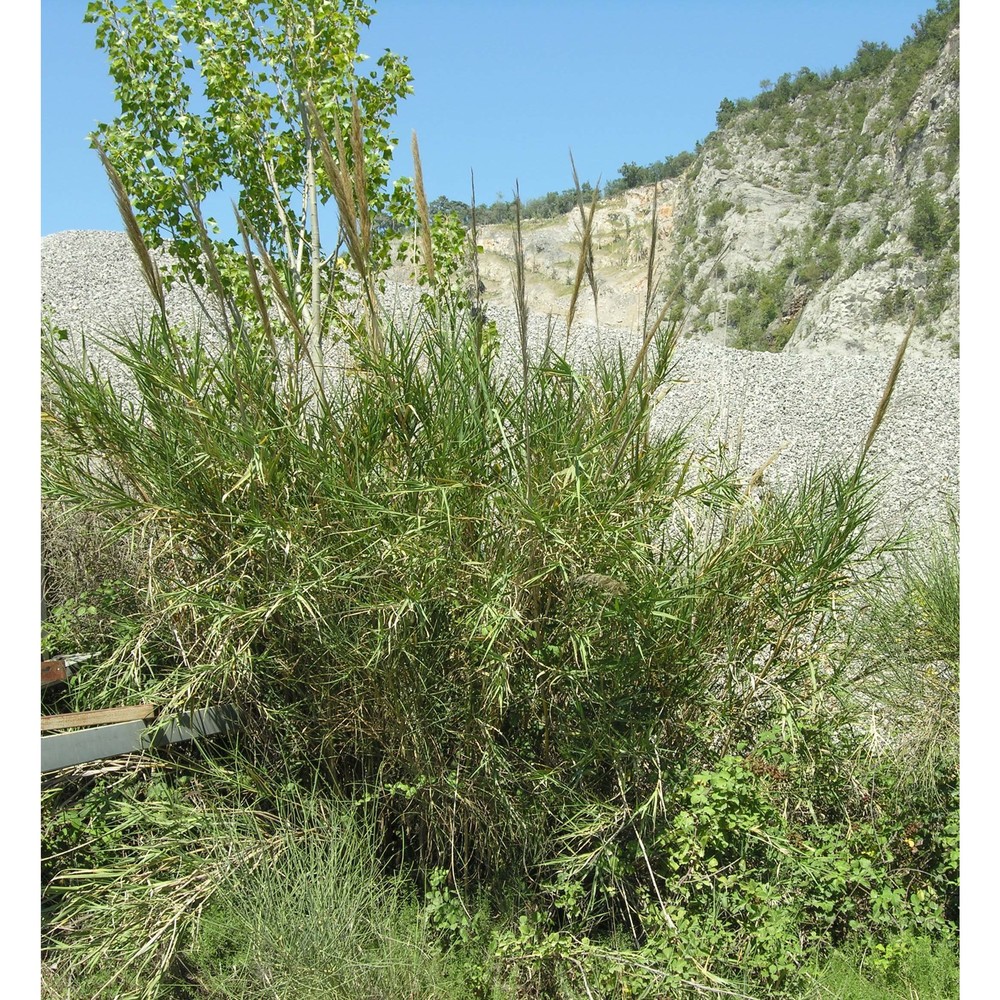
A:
<point x="851" y="315"/>
<point x="620" y="234"/>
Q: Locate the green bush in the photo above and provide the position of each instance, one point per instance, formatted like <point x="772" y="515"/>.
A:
<point x="755" y="305"/>
<point x="933" y="225"/>
<point x="919" y="52"/>
<point x="511" y="608"/>
<point x="821" y="264"/>
<point x="905" y="134"/>
<point x="716" y="209"/>
<point x="894" y="303"/>
<point x="942" y="287"/>
<point x="952" y="132"/>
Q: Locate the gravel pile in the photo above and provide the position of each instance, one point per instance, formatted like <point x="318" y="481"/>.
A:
<point x="805" y="407"/>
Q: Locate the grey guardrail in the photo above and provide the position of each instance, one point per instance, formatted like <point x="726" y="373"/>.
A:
<point x="67" y="749"/>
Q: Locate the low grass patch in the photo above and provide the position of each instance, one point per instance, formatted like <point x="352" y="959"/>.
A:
<point x="906" y="969"/>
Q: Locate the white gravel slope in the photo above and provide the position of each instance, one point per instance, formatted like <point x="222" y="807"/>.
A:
<point x="807" y="406"/>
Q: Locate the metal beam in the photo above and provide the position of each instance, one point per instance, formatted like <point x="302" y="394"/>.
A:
<point x="67" y="749"/>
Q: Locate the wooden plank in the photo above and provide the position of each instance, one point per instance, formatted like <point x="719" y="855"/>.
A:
<point x="99" y="717"/>
<point x="67" y="749"/>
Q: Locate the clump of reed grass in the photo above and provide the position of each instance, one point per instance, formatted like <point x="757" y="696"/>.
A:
<point x="424" y="551"/>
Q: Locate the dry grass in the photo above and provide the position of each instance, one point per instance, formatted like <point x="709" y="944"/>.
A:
<point x="79" y="554"/>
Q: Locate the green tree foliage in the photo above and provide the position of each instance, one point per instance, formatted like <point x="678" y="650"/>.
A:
<point x="169" y="60"/>
<point x="448" y="206"/>
<point x="935" y="25"/>
<point x="633" y="175"/>
<point x="872" y="58"/>
<point x="916" y="55"/>
<point x="546" y="206"/>
<point x="725" y="113"/>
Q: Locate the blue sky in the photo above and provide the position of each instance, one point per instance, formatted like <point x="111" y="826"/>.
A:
<point x="507" y="88"/>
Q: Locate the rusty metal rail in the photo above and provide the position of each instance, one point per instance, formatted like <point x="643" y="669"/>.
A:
<point x="60" y="669"/>
<point x="54" y="672"/>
